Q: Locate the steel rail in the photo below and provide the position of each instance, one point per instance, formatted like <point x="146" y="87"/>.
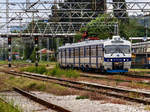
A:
<point x="97" y="86"/>
<point x="127" y="75"/>
<point x="113" y="79"/>
<point x="87" y="87"/>
<point x="40" y="101"/>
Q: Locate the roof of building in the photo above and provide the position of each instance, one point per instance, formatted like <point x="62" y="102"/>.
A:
<point x="45" y="51"/>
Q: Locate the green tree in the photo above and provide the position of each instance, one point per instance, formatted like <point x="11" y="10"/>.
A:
<point x="28" y="51"/>
<point x="133" y="29"/>
<point x="33" y="55"/>
<point x="99" y="28"/>
<point x="95" y="28"/>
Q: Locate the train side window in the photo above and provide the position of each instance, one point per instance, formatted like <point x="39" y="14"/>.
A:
<point x="87" y="51"/>
<point x="93" y="51"/>
<point x="82" y="51"/>
<point x="69" y="52"/>
<point x="63" y="53"/>
<point x="76" y="52"/>
<point x="100" y="50"/>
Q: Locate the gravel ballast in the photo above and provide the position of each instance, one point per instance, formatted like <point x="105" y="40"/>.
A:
<point x="86" y="105"/>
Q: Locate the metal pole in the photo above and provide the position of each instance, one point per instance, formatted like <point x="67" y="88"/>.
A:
<point x="146" y="48"/>
<point x="9" y="45"/>
<point x="47" y="48"/>
<point x="40" y="44"/>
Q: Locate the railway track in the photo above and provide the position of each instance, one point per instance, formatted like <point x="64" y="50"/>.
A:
<point x="127" y="75"/>
<point x="105" y="77"/>
<point x="40" y="101"/>
<point x="137" y="96"/>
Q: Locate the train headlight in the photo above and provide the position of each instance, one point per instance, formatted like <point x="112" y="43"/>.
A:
<point x="111" y="60"/>
<point x="124" y="59"/>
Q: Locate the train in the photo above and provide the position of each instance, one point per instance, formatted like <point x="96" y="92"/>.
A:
<point x="110" y="55"/>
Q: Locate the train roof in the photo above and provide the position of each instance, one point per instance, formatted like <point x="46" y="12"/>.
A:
<point x="84" y="43"/>
<point x="140" y="43"/>
<point x="90" y="42"/>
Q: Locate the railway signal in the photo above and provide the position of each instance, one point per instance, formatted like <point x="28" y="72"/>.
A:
<point x="9" y="51"/>
<point x="9" y="40"/>
<point x="36" y="40"/>
<point x="85" y="35"/>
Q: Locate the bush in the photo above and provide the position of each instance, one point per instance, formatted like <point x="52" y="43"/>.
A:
<point x="33" y="69"/>
<point x="58" y="72"/>
<point x="72" y="73"/>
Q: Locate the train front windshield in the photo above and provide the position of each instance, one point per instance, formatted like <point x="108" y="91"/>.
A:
<point x="111" y="49"/>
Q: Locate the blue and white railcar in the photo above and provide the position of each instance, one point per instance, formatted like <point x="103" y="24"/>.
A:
<point x="112" y="55"/>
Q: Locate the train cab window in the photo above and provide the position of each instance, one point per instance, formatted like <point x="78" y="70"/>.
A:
<point x="110" y="49"/>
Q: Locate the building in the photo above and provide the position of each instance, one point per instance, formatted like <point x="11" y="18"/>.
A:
<point x="141" y="54"/>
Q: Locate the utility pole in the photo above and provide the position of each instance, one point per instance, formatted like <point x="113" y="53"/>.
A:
<point x="36" y="50"/>
<point x="48" y="48"/>
<point x="33" y="26"/>
<point x="116" y="29"/>
<point x="40" y="46"/>
<point x="146" y="35"/>
<point x="9" y="38"/>
<point x="9" y="52"/>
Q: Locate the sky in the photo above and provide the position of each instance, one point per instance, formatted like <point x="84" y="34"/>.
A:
<point x="108" y="0"/>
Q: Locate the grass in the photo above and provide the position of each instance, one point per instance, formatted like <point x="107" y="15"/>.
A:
<point x="58" y="72"/>
<point x="31" y="85"/>
<point x="3" y="62"/>
<point x="139" y="70"/>
<point x="134" y="95"/>
<point x="139" y="85"/>
<point x="147" y="107"/>
<point x="47" y="63"/>
<point x="14" y="62"/>
<point x="8" y="107"/>
<point x="35" y="85"/>
<point x="81" y="97"/>
<point x="33" y="69"/>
